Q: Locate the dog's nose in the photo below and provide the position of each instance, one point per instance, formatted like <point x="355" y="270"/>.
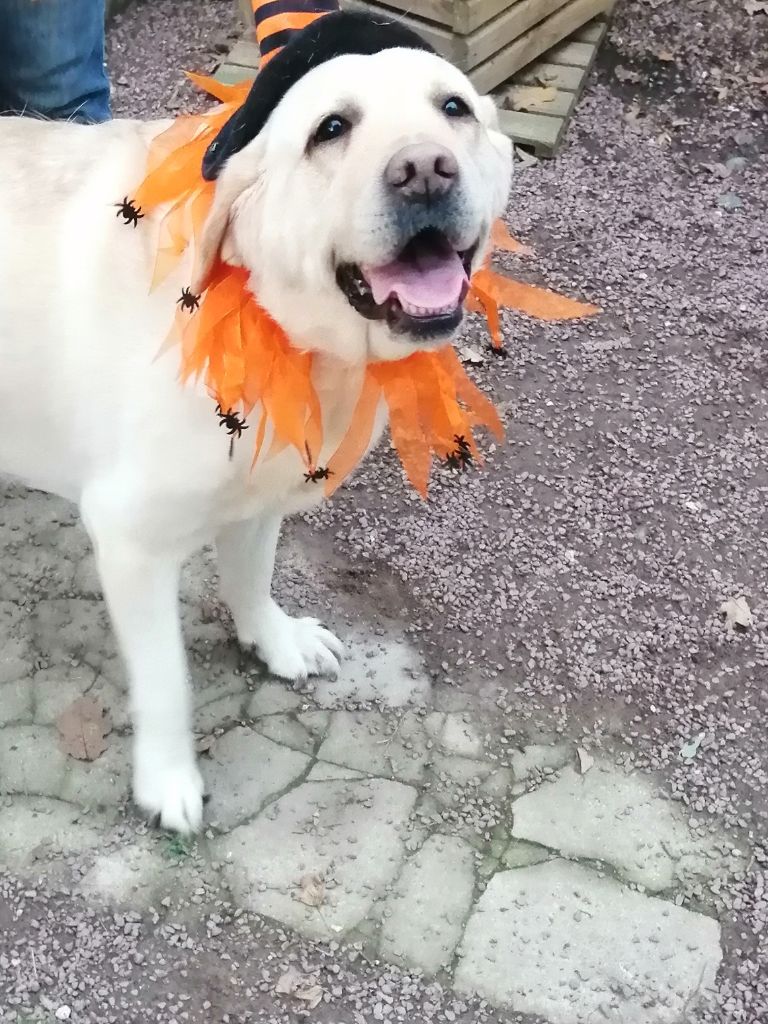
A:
<point x="422" y="172"/>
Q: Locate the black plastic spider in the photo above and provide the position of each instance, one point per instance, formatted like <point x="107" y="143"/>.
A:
<point x="188" y="300"/>
<point x="461" y="457"/>
<point x="234" y="424"/>
<point x="129" y="211"/>
<point x="321" y="473"/>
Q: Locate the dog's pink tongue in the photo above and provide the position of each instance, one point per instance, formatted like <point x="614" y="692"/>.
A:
<point x="429" y="281"/>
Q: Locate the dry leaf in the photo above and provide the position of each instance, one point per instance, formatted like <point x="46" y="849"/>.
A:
<point x="504" y="242"/>
<point x="311" y="891"/>
<point x="205" y="744"/>
<point x="756" y="6"/>
<point x="470" y="355"/>
<point x="83" y="728"/>
<point x="526" y="97"/>
<point x="301" y="987"/>
<point x="626" y="75"/>
<point x="737" y="612"/>
<point x="665" y="55"/>
<point x="585" y="760"/>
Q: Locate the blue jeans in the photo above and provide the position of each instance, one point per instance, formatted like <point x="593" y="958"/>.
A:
<point x="52" y="59"/>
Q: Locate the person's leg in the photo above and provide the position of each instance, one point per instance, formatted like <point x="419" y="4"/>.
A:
<point x="52" y="59"/>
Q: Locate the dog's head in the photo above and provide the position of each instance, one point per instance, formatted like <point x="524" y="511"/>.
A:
<point x="365" y="202"/>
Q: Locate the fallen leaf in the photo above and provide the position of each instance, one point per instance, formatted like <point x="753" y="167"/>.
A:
<point x="526" y="97"/>
<point x="205" y="744"/>
<point x="301" y="987"/>
<point x="737" y="612"/>
<point x="690" y="749"/>
<point x="504" y="242"/>
<point x="626" y="75"/>
<point x="665" y="55"/>
<point x="470" y="355"/>
<point x="83" y="728"/>
<point x="756" y="6"/>
<point x="586" y="761"/>
<point x="312" y="996"/>
<point x="311" y="891"/>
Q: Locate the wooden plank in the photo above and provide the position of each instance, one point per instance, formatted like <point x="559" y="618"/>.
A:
<point x="231" y="74"/>
<point x="592" y="32"/>
<point x="541" y="133"/>
<point x="513" y="23"/>
<point x="245" y="53"/>
<point x="536" y="41"/>
<point x="440" y="11"/>
<point x="469" y="15"/>
<point x="541" y="72"/>
<point x="246" y="13"/>
<point x="575" y="54"/>
<point x="442" y="39"/>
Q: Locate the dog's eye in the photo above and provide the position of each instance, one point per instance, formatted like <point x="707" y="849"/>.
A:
<point x="455" y="106"/>
<point x="330" y="128"/>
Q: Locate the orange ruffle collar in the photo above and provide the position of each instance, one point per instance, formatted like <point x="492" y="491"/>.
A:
<point x="246" y="359"/>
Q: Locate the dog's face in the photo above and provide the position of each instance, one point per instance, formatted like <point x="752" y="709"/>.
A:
<point x="365" y="203"/>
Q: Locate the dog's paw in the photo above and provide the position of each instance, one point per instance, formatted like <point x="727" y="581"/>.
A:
<point x="296" y="648"/>
<point x="171" y="794"/>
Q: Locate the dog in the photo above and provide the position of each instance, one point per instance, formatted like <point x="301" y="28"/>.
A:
<point x="372" y="181"/>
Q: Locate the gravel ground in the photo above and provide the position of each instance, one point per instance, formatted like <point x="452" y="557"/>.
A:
<point x="575" y="584"/>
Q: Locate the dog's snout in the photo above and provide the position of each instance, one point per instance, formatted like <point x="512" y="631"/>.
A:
<point x="422" y="172"/>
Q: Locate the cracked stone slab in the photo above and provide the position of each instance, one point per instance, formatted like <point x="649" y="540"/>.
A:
<point x="139" y="875"/>
<point x="393" y="746"/>
<point x="460" y="736"/>
<point x="244" y="770"/>
<point x="376" y="669"/>
<point x="561" y="941"/>
<point x="31" y="762"/>
<point x="15" y="702"/>
<point x="37" y="828"/>
<point x="104" y="782"/>
<point x="273" y="698"/>
<point x="614" y="817"/>
<point x="424" y="917"/>
<point x="539" y="757"/>
<point x="350" y="833"/>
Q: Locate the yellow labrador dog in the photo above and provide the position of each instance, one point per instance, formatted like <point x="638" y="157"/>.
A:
<point x="359" y="207"/>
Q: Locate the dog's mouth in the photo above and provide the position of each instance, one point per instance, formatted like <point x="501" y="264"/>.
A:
<point x="420" y="293"/>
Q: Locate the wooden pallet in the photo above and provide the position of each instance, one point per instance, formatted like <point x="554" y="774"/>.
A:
<point x="489" y="39"/>
<point x="536" y="119"/>
<point x="537" y="103"/>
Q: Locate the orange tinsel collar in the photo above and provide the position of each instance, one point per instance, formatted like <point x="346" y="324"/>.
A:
<point x="246" y="359"/>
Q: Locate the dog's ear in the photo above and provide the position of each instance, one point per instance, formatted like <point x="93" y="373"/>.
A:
<point x="241" y="173"/>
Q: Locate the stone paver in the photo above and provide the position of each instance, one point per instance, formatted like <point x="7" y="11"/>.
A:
<point x="35" y="829"/>
<point x="31" y="762"/>
<point x="394" y="818"/>
<point x="424" y="917"/>
<point x="610" y="816"/>
<point x="392" y="746"/>
<point x="376" y="669"/>
<point x="349" y="833"/>
<point x="558" y="940"/>
<point x="246" y="769"/>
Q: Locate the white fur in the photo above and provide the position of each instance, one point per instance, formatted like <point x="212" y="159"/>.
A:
<point x="88" y="411"/>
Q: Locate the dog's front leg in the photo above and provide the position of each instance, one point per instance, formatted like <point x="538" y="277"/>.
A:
<point x="142" y="592"/>
<point x="292" y="648"/>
